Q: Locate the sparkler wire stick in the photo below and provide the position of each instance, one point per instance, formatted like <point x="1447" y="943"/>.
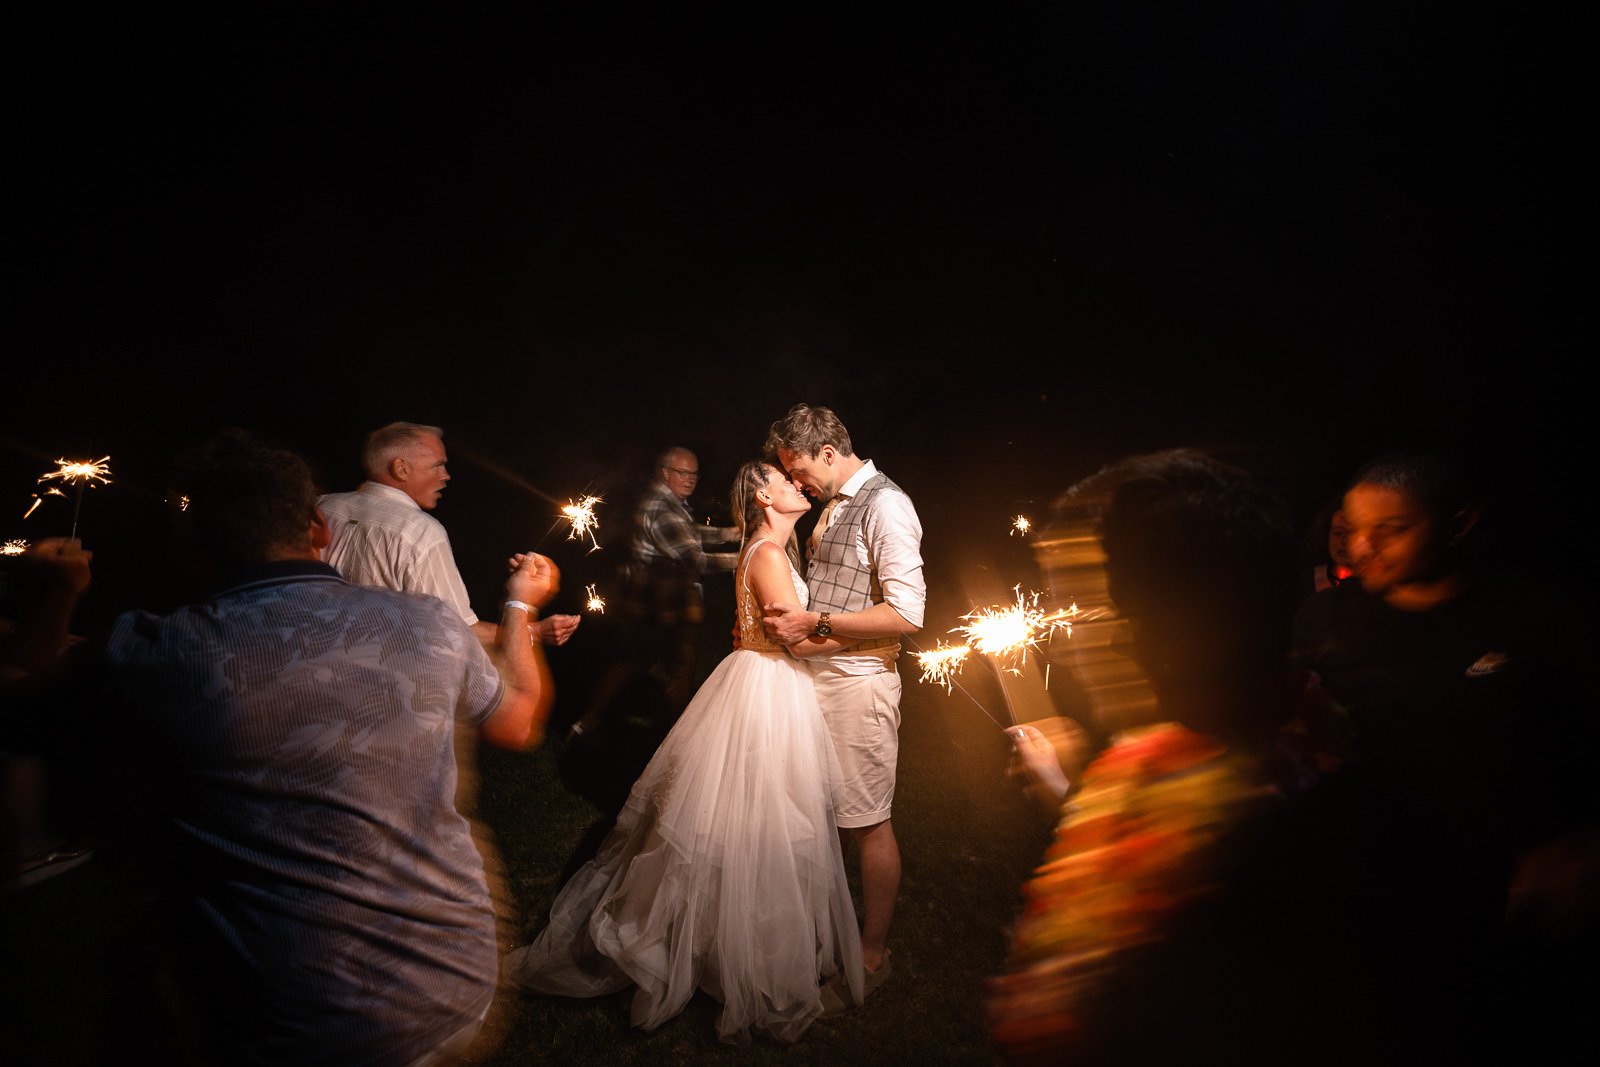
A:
<point x="975" y="701"/>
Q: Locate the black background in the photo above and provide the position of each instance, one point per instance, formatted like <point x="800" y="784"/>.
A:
<point x="1007" y="244"/>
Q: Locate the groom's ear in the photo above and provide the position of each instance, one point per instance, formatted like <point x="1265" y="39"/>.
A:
<point x="826" y="453"/>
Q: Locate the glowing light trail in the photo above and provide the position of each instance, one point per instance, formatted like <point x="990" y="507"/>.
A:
<point x="13" y="548"/>
<point x="596" y="601"/>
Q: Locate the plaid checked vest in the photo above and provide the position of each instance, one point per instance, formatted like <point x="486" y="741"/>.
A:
<point x="837" y="580"/>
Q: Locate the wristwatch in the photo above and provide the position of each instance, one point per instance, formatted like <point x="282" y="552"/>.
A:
<point x="823" y="627"/>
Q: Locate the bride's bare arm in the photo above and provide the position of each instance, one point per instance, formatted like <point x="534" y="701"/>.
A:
<point x="768" y="574"/>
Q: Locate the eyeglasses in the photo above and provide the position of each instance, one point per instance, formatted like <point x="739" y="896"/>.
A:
<point x="683" y="473"/>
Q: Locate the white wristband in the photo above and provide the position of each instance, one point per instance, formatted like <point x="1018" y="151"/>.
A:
<point x="524" y="607"/>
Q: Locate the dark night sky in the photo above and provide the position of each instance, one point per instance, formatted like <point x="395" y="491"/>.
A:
<point x="1007" y="246"/>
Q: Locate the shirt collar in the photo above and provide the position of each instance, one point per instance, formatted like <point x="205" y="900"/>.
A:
<point x="858" y="479"/>
<point x="279" y="570"/>
<point x="388" y="492"/>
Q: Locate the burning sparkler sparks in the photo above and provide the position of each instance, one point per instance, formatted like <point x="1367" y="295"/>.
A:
<point x="1007" y="634"/>
<point x="13" y="548"/>
<point x="596" y="601"/>
<point x="1021" y="525"/>
<point x="81" y="471"/>
<point x="581" y="515"/>
<point x="942" y="664"/>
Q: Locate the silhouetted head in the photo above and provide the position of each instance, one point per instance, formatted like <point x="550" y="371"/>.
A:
<point x="1204" y="562"/>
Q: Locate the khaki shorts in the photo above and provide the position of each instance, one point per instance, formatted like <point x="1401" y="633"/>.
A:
<point x="863" y="716"/>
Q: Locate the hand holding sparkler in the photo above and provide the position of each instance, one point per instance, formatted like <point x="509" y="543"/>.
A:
<point x="64" y="560"/>
<point x="1040" y="761"/>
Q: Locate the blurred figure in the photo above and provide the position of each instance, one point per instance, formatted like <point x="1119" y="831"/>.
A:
<point x="1463" y="684"/>
<point x="663" y="603"/>
<point x="331" y="905"/>
<point x="38" y="591"/>
<point x="1329" y="542"/>
<point x="1469" y="694"/>
<point x="1212" y="892"/>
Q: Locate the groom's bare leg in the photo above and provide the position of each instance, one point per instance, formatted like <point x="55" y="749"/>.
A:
<point x="880" y="884"/>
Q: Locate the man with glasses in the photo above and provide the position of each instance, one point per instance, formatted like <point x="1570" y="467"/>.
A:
<point x="662" y="601"/>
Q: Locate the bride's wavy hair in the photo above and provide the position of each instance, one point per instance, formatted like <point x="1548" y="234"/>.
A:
<point x="747" y="511"/>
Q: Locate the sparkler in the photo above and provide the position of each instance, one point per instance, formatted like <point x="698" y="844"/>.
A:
<point x="79" y="473"/>
<point x="596" y="601"/>
<point x="581" y="515"/>
<point x="1007" y="634"/>
<point x="942" y="664"/>
<point x="1021" y="525"/>
<point x="13" y="548"/>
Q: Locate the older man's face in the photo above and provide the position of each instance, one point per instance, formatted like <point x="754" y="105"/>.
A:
<point x="681" y="474"/>
<point x="426" y="475"/>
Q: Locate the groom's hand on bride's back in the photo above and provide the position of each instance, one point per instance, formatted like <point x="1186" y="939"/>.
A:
<point x="787" y="623"/>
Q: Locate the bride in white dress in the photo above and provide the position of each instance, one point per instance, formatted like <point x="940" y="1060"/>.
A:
<point x="724" y="872"/>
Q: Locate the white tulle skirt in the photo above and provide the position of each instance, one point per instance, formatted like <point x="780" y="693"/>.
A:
<point x="724" y="872"/>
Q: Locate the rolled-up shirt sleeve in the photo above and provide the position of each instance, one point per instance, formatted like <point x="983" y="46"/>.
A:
<point x="891" y="540"/>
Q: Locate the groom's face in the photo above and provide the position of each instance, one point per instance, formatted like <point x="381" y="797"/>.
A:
<point x="814" y="474"/>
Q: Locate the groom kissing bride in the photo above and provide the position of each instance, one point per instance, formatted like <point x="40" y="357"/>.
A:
<point x="725" y="871"/>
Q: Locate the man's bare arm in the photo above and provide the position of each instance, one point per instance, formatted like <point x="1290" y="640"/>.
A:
<point x="791" y="624"/>
<point x="518" y="721"/>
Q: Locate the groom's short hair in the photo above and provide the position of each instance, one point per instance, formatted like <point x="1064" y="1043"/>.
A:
<point x="806" y="429"/>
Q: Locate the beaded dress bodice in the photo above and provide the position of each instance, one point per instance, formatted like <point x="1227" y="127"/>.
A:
<point x="752" y="635"/>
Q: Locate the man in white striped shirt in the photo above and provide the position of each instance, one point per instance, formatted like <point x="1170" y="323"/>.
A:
<point x="383" y="536"/>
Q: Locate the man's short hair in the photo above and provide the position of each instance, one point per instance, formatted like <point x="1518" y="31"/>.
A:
<point x="387" y="442"/>
<point x="665" y="458"/>
<point x="806" y="429"/>
<point x="248" y="500"/>
<point x="1433" y="482"/>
